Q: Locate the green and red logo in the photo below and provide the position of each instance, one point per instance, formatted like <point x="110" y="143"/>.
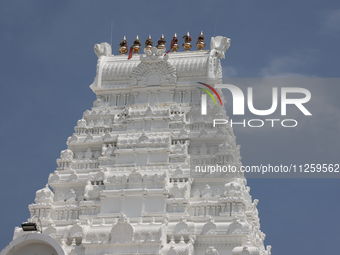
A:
<point x="204" y="97"/>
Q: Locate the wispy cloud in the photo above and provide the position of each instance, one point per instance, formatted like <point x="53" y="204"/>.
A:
<point x="288" y="66"/>
<point x="229" y="71"/>
<point x="330" y="22"/>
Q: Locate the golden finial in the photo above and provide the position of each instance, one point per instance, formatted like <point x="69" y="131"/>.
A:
<point x="174" y="44"/>
<point x="136" y="45"/>
<point x="161" y="43"/>
<point x="123" y="49"/>
<point x="148" y="43"/>
<point x="200" y="41"/>
<point x="187" y="42"/>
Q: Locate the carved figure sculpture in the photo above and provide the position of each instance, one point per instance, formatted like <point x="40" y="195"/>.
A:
<point x="66" y="154"/>
<point x="87" y="189"/>
<point x="103" y="49"/>
<point x="219" y="45"/>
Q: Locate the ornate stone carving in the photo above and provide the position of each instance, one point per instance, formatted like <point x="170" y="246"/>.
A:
<point x="183" y="227"/>
<point x="88" y="154"/>
<point x="71" y="196"/>
<point x="66" y="155"/>
<point x="50" y="230"/>
<point x="94" y="193"/>
<point x="107" y="150"/>
<point x="154" y="69"/>
<point x="235" y="227"/>
<point x="76" y="230"/>
<point x="211" y="251"/>
<point x="44" y="194"/>
<point x="210" y="227"/>
<point x="81" y="123"/>
<point x="206" y="192"/>
<point x="122" y="232"/>
<point x="103" y="49"/>
<point x="219" y="45"/>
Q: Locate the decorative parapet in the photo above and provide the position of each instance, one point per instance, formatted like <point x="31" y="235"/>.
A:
<point x="170" y="68"/>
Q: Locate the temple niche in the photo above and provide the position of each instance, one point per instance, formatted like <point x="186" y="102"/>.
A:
<point x="126" y="183"/>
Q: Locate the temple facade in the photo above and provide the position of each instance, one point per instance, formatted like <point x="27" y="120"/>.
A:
<point x="132" y="179"/>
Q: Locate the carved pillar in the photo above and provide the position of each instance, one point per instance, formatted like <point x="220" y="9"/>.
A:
<point x="117" y="102"/>
<point x="185" y="207"/>
<point x="122" y="203"/>
<point x="172" y="94"/>
<point x="193" y="210"/>
<point x="165" y="197"/>
<point x="93" y="210"/>
<point x="227" y="210"/>
<point x="82" y="210"/>
<point x="207" y="211"/>
<point x="213" y="210"/>
<point x="233" y="205"/>
<point x="222" y="208"/>
<point x="149" y="97"/>
<point x="218" y="210"/>
<point x="157" y="96"/>
<point x="48" y="213"/>
<point x="144" y="197"/>
<point x="181" y="96"/>
<point x="135" y="97"/>
<point x="66" y="213"/>
<point x="174" y="207"/>
<point x="197" y="210"/>
<point x="239" y="208"/>
<point x="42" y="213"/>
<point x="203" y="210"/>
<point x="109" y="99"/>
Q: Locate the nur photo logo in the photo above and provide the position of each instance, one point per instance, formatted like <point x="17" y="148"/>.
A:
<point x="298" y="97"/>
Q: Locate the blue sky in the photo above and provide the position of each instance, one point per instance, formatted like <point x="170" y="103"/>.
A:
<point x="47" y="64"/>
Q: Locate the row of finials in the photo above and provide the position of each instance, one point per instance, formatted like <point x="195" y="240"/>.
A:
<point x="135" y="48"/>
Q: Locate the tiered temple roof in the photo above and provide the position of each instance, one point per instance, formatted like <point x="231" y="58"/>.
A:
<point x="126" y="183"/>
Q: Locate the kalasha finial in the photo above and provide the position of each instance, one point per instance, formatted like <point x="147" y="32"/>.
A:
<point x="161" y="43"/>
<point x="200" y="41"/>
<point x="174" y="44"/>
<point x="187" y="42"/>
<point x="148" y="43"/>
<point x="136" y="45"/>
<point x="123" y="49"/>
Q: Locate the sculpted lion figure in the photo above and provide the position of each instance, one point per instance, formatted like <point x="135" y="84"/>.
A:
<point x="219" y="45"/>
<point x="103" y="49"/>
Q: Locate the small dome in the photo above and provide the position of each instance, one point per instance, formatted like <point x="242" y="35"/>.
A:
<point x="44" y="194"/>
<point x="232" y="186"/>
<point x="247" y="248"/>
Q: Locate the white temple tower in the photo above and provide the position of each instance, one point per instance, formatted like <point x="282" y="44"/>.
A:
<point x="127" y="182"/>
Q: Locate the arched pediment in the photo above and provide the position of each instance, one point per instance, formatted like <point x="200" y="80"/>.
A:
<point x="33" y="242"/>
<point x="154" y="69"/>
<point x="122" y="232"/>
